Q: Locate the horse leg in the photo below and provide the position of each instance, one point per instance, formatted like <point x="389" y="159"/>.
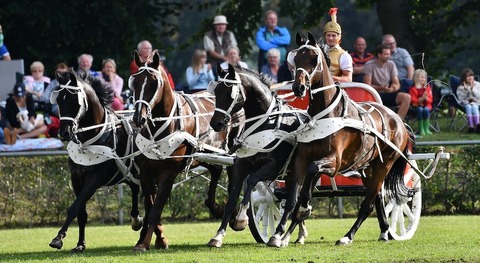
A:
<point x="215" y="172"/>
<point x="137" y="220"/>
<point x="148" y="202"/>
<point x="161" y="242"/>
<point x="382" y="218"/>
<point x="83" y="194"/>
<point x="239" y="172"/>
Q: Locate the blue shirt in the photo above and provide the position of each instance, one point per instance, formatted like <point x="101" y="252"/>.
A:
<point x="3" y="51"/>
<point x="199" y="81"/>
<point x="402" y="59"/>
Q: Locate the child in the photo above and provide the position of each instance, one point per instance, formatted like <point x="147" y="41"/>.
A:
<point x="421" y="100"/>
<point x="468" y="94"/>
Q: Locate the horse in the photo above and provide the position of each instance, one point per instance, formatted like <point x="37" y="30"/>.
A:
<point x="265" y="146"/>
<point x="98" y="139"/>
<point x="174" y="126"/>
<point x="345" y="136"/>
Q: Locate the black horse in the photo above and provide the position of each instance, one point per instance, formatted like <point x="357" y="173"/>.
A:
<point x="100" y="147"/>
<point x="265" y="146"/>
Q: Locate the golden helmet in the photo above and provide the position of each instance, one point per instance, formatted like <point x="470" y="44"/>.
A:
<point x="333" y="26"/>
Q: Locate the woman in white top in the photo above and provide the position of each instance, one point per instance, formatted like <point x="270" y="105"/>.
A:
<point x="199" y="74"/>
<point x="468" y="94"/>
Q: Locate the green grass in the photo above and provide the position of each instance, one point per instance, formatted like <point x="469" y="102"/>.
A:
<point x="438" y="239"/>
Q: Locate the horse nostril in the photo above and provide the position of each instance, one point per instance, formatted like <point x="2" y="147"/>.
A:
<point x="302" y="88"/>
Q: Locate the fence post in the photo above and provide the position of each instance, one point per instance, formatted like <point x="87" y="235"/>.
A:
<point x="120" y="201"/>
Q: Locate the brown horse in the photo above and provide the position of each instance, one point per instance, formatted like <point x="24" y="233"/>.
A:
<point x="345" y="136"/>
<point x="174" y="126"/>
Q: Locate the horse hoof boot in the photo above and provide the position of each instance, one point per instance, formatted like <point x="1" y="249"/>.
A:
<point x="214" y="243"/>
<point x="344" y="241"/>
<point x="56" y="243"/>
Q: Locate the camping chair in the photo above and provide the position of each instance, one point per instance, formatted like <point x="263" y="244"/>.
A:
<point x="441" y="92"/>
<point x="459" y="114"/>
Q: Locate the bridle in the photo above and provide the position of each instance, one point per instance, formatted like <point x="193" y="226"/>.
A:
<point x="237" y="94"/>
<point x="141" y="99"/>
<point x="318" y="67"/>
<point x="82" y="101"/>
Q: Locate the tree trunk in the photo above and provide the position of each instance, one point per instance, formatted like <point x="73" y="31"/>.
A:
<point x="394" y="18"/>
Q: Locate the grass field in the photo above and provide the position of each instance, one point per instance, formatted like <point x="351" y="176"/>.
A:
<point x="438" y="239"/>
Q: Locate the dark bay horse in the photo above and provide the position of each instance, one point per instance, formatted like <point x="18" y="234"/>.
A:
<point x="265" y="146"/>
<point x="98" y="141"/>
<point x="174" y="126"/>
<point x="345" y="136"/>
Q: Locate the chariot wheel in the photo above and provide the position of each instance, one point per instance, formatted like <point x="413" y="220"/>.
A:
<point x="264" y="212"/>
<point x="404" y="218"/>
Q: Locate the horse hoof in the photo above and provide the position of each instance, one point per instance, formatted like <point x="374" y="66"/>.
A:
<point x="274" y="242"/>
<point x="161" y="243"/>
<point x="215" y="243"/>
<point x="343" y="241"/>
<point x="240" y="225"/>
<point x="383" y="237"/>
<point x="137" y="223"/>
<point x="300" y="241"/>
<point x="78" y="249"/>
<point x="56" y="243"/>
<point x="140" y="248"/>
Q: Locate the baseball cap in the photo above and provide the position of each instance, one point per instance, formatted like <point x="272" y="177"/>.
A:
<point x="19" y="90"/>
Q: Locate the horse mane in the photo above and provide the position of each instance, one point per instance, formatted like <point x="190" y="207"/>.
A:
<point x="102" y="89"/>
<point x="264" y="78"/>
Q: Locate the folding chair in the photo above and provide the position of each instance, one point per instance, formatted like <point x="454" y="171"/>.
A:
<point x="459" y="114"/>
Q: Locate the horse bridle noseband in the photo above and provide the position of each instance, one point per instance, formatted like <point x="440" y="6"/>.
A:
<point x="318" y="67"/>
<point x="238" y="95"/>
<point x="82" y="101"/>
<point x="140" y="100"/>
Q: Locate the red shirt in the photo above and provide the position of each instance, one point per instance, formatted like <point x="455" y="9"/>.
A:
<point x="361" y="61"/>
<point x="418" y="93"/>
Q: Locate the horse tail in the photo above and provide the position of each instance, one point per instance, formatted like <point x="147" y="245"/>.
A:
<point x="395" y="186"/>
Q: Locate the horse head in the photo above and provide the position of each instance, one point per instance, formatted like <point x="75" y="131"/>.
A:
<point x="229" y="97"/>
<point x="308" y="61"/>
<point x="148" y="86"/>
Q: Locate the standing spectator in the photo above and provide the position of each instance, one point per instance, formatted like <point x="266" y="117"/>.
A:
<point x="36" y="84"/>
<point x="200" y="73"/>
<point x="85" y="64"/>
<point x="145" y="52"/>
<point x="271" y="36"/>
<point x="468" y="93"/>
<point x="217" y="41"/>
<point x="421" y="100"/>
<point x="381" y="74"/>
<point x="360" y="56"/>
<point x="109" y="69"/>
<point x="4" y="54"/>
<point x="341" y="66"/>
<point x="233" y="58"/>
<point x="401" y="57"/>
<point x="273" y="64"/>
<point x="21" y="115"/>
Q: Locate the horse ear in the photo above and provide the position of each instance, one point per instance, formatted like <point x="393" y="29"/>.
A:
<point x="136" y="57"/>
<point x="299" y="39"/>
<point x="156" y="60"/>
<point x="231" y="71"/>
<point x="220" y="71"/>
<point x="73" y="79"/>
<point x="311" y="39"/>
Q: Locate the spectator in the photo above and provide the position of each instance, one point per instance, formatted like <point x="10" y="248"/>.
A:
<point x="272" y="65"/>
<point x="271" y="36"/>
<point x="421" y="100"/>
<point x="85" y="64"/>
<point x="359" y="57"/>
<point x="145" y="52"/>
<point x="381" y="74"/>
<point x="4" y="54"/>
<point x="36" y="84"/>
<point x="285" y="72"/>
<point x="109" y="69"/>
<point x="341" y="66"/>
<point x="200" y="73"/>
<point x="233" y="58"/>
<point x="468" y="93"/>
<point x="21" y="116"/>
<point x="217" y="41"/>
<point x="60" y="67"/>
<point x="401" y="57"/>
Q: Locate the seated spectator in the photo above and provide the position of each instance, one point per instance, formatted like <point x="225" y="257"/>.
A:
<point x="273" y="64"/>
<point x="4" y="54"/>
<point x="21" y="116"/>
<point x="200" y="73"/>
<point x="381" y="74"/>
<point x="53" y="109"/>
<point x="145" y="52"/>
<point x="85" y="64"/>
<point x="271" y="36"/>
<point x="108" y="73"/>
<point x="285" y="72"/>
<point x="233" y="58"/>
<point x="360" y="56"/>
<point x="421" y="100"/>
<point x="468" y="93"/>
<point x="36" y="84"/>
